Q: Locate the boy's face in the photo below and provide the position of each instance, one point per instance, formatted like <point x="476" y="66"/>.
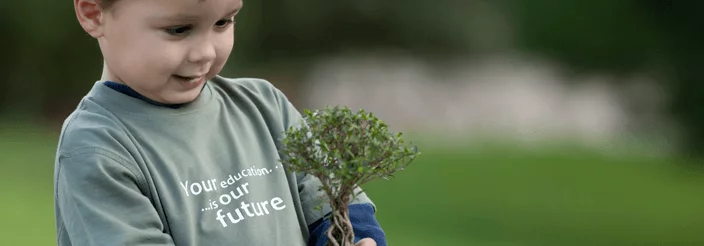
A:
<point x="165" y="49"/>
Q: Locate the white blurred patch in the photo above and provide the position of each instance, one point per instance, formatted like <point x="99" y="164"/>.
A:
<point x="521" y="99"/>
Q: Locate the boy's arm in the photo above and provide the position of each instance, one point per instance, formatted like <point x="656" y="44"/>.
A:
<point x="100" y="203"/>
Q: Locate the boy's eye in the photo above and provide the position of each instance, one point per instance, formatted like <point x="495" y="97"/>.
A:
<point x="185" y="30"/>
<point x="178" y="31"/>
<point x="225" y="22"/>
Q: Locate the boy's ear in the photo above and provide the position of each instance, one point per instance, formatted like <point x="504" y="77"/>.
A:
<point x="90" y="16"/>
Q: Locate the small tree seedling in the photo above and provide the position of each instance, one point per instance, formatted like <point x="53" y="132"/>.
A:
<point x="344" y="150"/>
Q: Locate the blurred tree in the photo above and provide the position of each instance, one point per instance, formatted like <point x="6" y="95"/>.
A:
<point x="304" y="29"/>
<point x="680" y="25"/>
<point x="603" y="35"/>
<point x="621" y="37"/>
<point x="52" y="62"/>
<point x="6" y="26"/>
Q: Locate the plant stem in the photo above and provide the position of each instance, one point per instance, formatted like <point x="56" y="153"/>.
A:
<point x="341" y="232"/>
<point x="331" y="238"/>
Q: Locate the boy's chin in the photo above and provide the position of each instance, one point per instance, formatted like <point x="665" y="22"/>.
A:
<point x="183" y="98"/>
<point x="185" y="94"/>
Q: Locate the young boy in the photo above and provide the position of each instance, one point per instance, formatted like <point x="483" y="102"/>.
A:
<point x="163" y="151"/>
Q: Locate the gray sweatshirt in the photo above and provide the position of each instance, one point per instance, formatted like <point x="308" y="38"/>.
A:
<point x="208" y="173"/>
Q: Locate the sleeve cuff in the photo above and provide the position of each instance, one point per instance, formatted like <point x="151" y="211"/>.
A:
<point x="364" y="224"/>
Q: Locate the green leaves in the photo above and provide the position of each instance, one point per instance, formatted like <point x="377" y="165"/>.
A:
<point x="352" y="147"/>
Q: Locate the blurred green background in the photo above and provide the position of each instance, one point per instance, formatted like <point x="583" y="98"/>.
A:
<point x="501" y="164"/>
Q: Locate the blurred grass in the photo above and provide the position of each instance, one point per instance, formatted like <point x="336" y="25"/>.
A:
<point x="26" y="166"/>
<point x="452" y="195"/>
<point x="499" y="195"/>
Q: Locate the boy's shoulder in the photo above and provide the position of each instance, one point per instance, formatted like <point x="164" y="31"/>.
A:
<point x="252" y="87"/>
<point x="246" y="82"/>
<point x="270" y="101"/>
<point x="91" y="127"/>
<point x="95" y="124"/>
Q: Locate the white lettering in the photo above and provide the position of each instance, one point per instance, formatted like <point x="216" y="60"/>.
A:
<point x="221" y="218"/>
<point x="264" y="203"/>
<point x="239" y="214"/>
<point x="244" y="186"/>
<point x="275" y="202"/>
<point x="194" y="187"/>
<point x="209" y="186"/>
<point x="225" y="202"/>
<point x="185" y="187"/>
<point x="256" y="206"/>
<point x="257" y="209"/>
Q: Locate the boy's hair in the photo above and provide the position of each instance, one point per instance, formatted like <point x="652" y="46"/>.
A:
<point x="106" y="4"/>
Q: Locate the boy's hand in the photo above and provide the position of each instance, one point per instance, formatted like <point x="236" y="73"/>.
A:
<point x="366" y="242"/>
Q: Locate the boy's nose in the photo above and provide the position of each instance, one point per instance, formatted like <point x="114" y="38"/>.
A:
<point x="201" y="52"/>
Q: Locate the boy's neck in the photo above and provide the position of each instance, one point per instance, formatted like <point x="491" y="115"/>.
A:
<point x="124" y="89"/>
<point x="105" y="76"/>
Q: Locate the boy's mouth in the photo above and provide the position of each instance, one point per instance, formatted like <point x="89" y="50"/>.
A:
<point x="187" y="79"/>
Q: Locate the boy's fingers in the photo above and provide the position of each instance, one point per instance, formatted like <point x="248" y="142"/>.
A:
<point x="366" y="242"/>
